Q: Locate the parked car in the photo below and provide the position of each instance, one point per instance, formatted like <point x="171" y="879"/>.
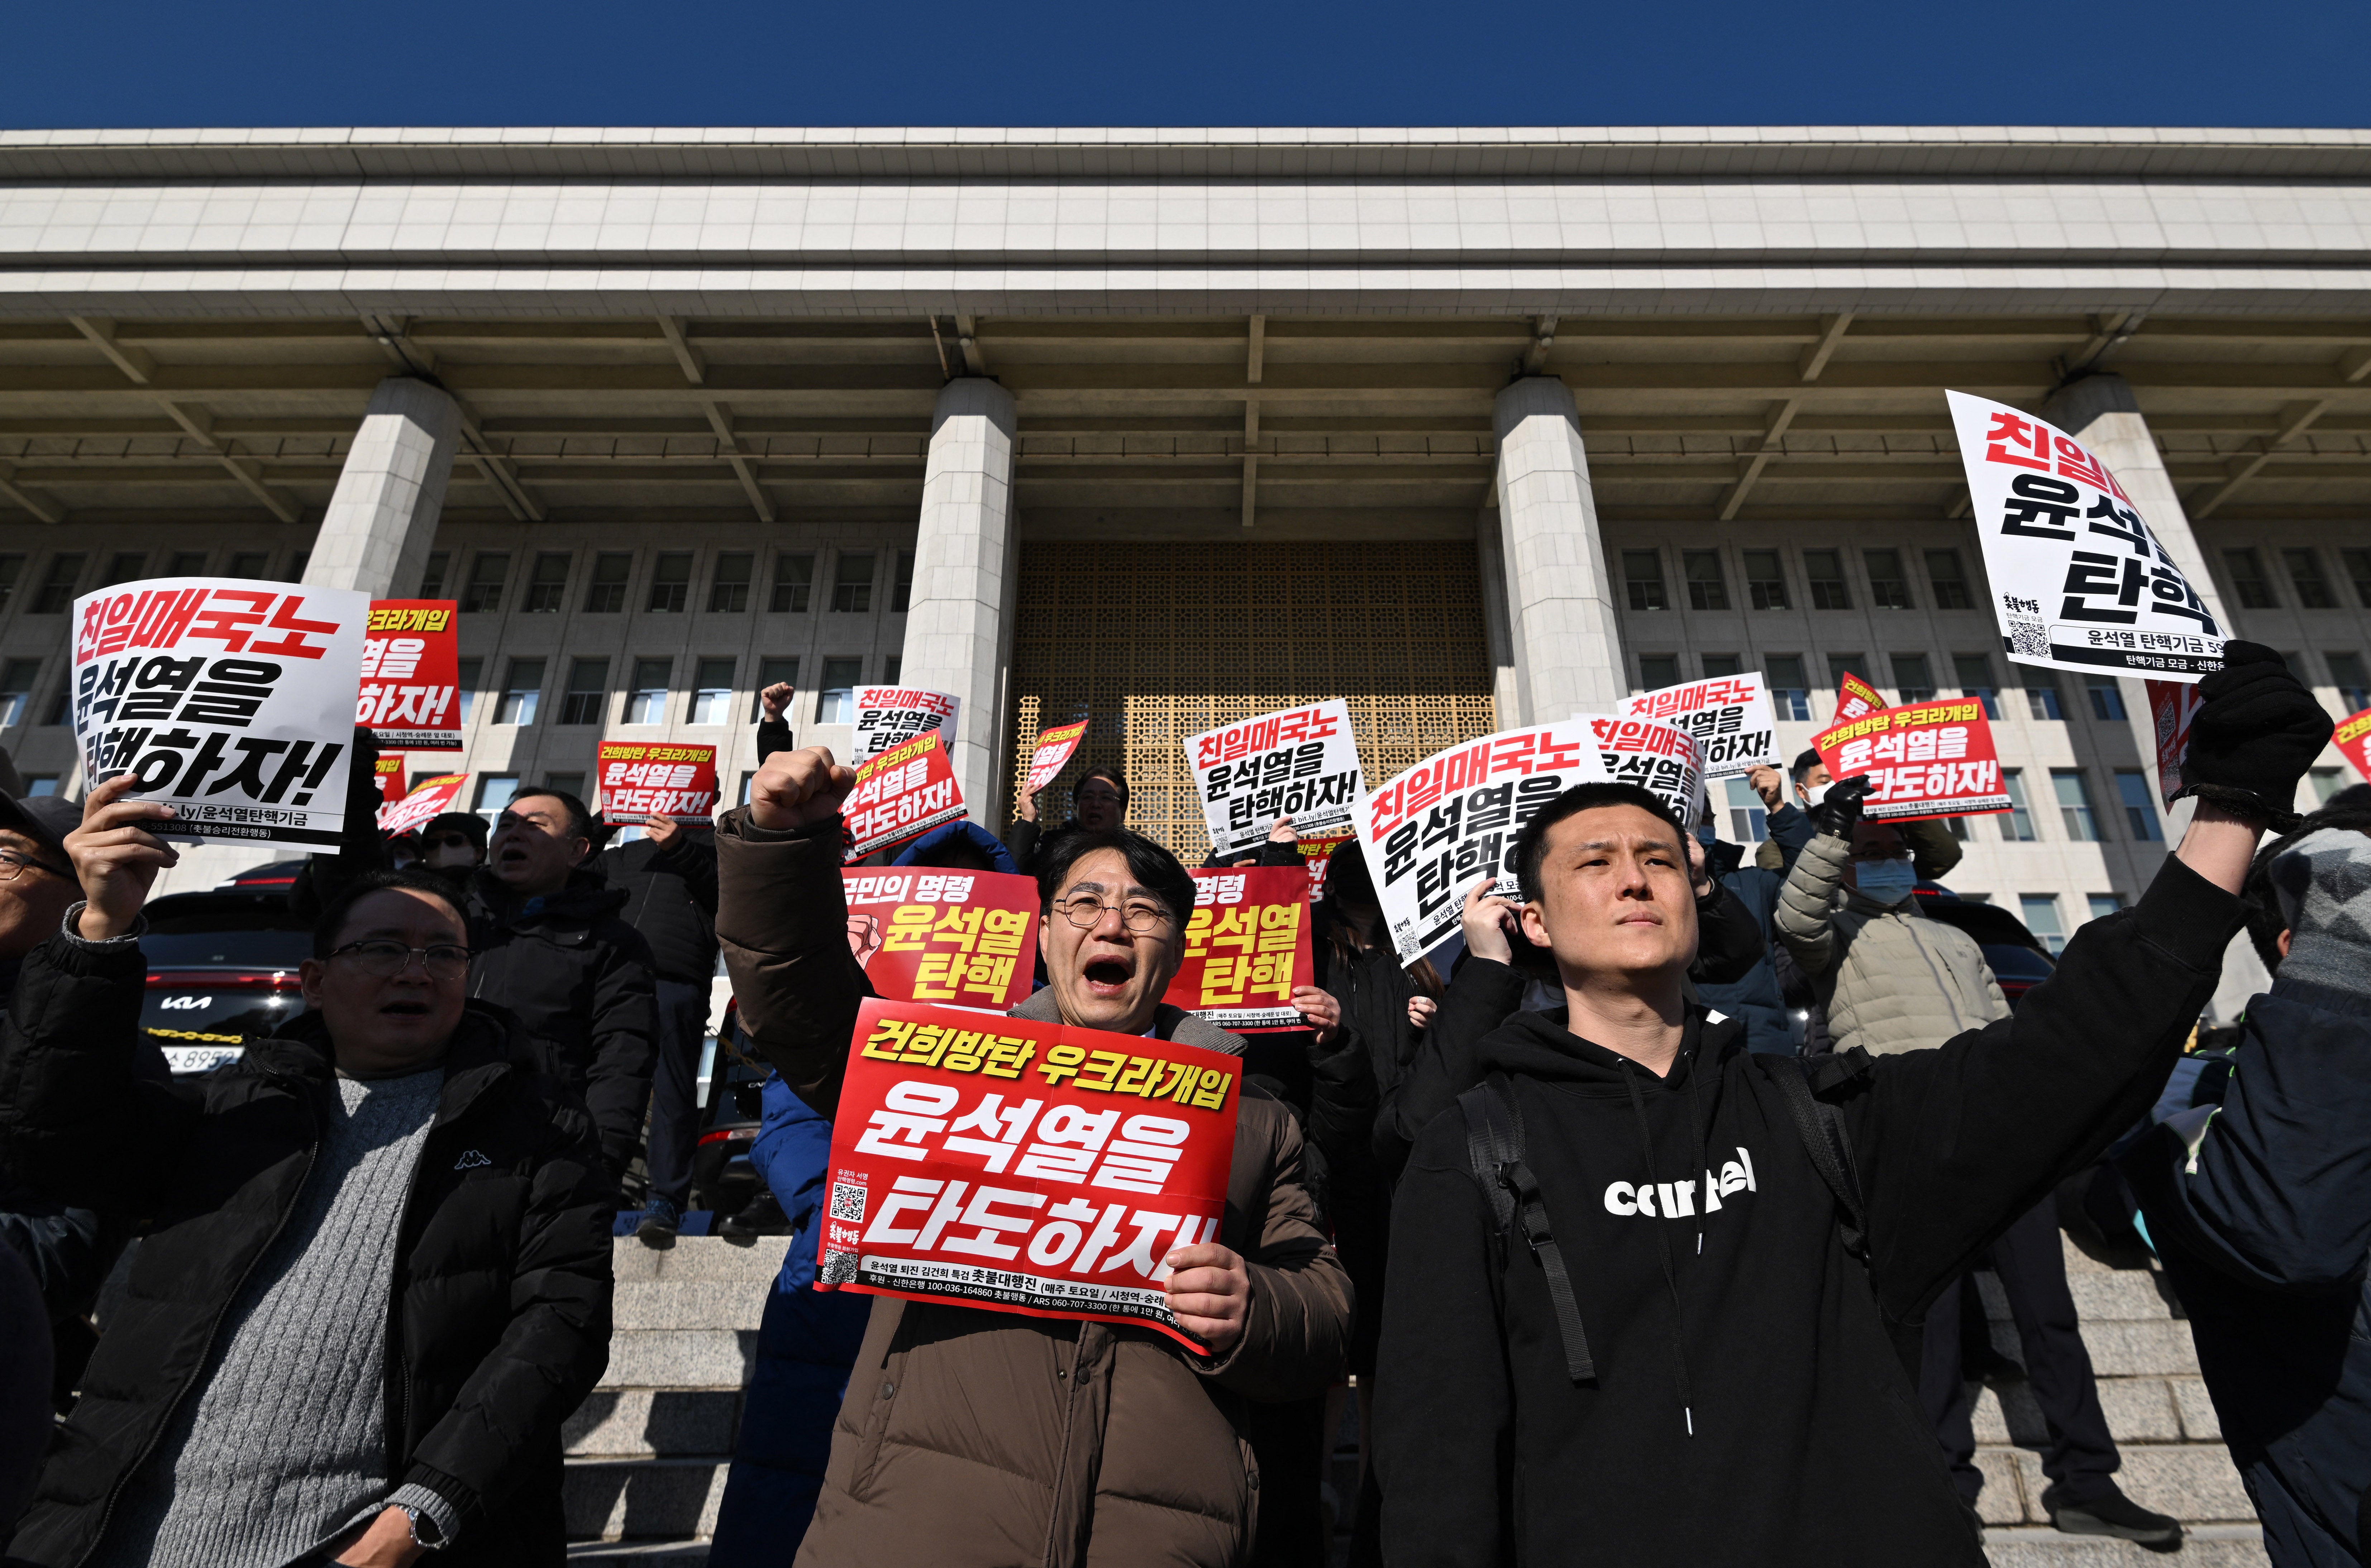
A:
<point x="222" y="971"/>
<point x="722" y="1177"/>
<point x="2018" y="959"/>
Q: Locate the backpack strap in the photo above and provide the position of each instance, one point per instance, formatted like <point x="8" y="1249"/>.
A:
<point x="1822" y="1129"/>
<point x="1494" y="1145"/>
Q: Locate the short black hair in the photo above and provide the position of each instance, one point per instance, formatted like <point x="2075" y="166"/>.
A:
<point x="2258" y="899"/>
<point x="1531" y="844"/>
<point x="579" y="818"/>
<point x="1150" y="864"/>
<point x="1100" y="771"/>
<point x="471" y="825"/>
<point x="335" y="914"/>
<point x="1805" y="763"/>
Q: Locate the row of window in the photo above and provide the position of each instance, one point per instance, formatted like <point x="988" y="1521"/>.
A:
<point x="709" y="699"/>
<point x="1915" y="680"/>
<point x="1885" y="582"/>
<point x="2302" y="565"/>
<point x="2070" y="790"/>
<point x="62" y="584"/>
<point x="733" y="582"/>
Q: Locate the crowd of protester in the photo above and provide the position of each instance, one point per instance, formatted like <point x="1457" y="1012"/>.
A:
<point x="1643" y="1230"/>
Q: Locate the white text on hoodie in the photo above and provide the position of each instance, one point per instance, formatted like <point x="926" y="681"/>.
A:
<point x="1677" y="1200"/>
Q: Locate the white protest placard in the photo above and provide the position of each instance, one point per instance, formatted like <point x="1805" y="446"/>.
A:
<point x="1453" y="817"/>
<point x="1735" y="729"/>
<point x="1659" y="756"/>
<point x="1302" y="763"/>
<point x="230" y="700"/>
<point x="889" y="716"/>
<point x="2078" y="580"/>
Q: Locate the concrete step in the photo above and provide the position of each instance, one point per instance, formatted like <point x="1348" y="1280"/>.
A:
<point x="708" y="1260"/>
<point x="2207" y="1546"/>
<point x="642" y="1499"/>
<point x="2139" y="1410"/>
<point x="654" y="1423"/>
<point x="2194" y="1482"/>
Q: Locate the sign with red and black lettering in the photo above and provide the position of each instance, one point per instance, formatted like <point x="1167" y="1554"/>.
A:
<point x="1303" y="762"/>
<point x="389" y="772"/>
<point x="1735" y="728"/>
<point x="231" y="701"/>
<point x="1924" y="759"/>
<point x="412" y="674"/>
<point x="2353" y="738"/>
<point x="901" y="795"/>
<point x="1317" y="855"/>
<point x="1657" y="757"/>
<point x="889" y="716"/>
<point x="966" y="939"/>
<point x="1453" y="817"/>
<point x="1055" y="747"/>
<point x="1855" y="697"/>
<point x="643" y="779"/>
<point x="1246" y="948"/>
<point x="2078" y="580"/>
<point x="432" y="798"/>
<point x="2172" y="705"/>
<point x="1024" y="1167"/>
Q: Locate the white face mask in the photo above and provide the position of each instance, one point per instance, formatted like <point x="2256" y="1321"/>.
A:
<point x="1813" y="795"/>
<point x="1887" y="881"/>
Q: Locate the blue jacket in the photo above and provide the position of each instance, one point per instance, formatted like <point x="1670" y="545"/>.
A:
<point x="1756" y="1000"/>
<point x="2261" y="1209"/>
<point x="924" y="850"/>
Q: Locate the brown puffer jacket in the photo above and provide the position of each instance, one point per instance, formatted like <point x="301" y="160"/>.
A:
<point x="975" y="1437"/>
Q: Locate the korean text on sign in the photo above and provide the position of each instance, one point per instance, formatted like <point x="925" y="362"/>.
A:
<point x="2172" y="705"/>
<point x="1854" y="698"/>
<point x="889" y="716"/>
<point x="1926" y="760"/>
<point x="1053" y="753"/>
<point x="389" y="772"/>
<point x="2353" y="738"/>
<point x="2078" y="580"/>
<point x="433" y="798"/>
<point x="639" y="778"/>
<point x="1735" y="728"/>
<point x="900" y="794"/>
<point x="1246" y="948"/>
<point x="229" y="699"/>
<point x="1453" y="817"/>
<point x="1024" y="1167"/>
<point x="1657" y="756"/>
<point x="1317" y="855"/>
<point x="964" y="937"/>
<point x="1303" y="762"/>
<point x="411" y="663"/>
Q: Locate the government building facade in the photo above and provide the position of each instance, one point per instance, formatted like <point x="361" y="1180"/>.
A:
<point x="1471" y="428"/>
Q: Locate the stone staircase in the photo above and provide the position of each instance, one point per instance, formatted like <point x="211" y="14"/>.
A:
<point x="648" y="1452"/>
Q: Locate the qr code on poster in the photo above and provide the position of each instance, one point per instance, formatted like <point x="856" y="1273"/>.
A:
<point x="839" y="1268"/>
<point x="2030" y="638"/>
<point x="847" y="1202"/>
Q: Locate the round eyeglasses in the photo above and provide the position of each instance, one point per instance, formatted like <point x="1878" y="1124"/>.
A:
<point x="387" y="959"/>
<point x="1138" y="918"/>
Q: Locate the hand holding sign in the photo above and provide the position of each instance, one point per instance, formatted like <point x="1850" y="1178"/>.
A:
<point x="799" y="788"/>
<point x="1210" y="1292"/>
<point x="115" y="857"/>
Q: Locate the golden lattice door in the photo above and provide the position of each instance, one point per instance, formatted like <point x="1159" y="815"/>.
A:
<point x="1155" y="643"/>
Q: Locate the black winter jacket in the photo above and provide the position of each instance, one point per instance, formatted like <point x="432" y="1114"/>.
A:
<point x="671" y="900"/>
<point x="1750" y="1404"/>
<point x="579" y="981"/>
<point x="500" y="1311"/>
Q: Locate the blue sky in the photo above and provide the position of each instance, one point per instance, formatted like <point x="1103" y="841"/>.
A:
<point x="143" y="63"/>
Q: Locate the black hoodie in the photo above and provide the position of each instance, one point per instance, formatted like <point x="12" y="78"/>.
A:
<point x="1751" y="1405"/>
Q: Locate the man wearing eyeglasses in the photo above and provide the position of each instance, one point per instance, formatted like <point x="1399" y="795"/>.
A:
<point x="1098" y="804"/>
<point x="975" y="1437"/>
<point x="376" y="1271"/>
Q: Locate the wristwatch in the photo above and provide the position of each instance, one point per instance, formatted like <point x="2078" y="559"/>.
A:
<point x="425" y="1533"/>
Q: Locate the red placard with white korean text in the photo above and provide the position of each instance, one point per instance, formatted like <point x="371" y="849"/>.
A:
<point x="1054" y="751"/>
<point x="433" y="798"/>
<point x="1024" y="1167"/>
<point x="643" y="779"/>
<point x="901" y="795"/>
<point x="1925" y="759"/>
<point x="2172" y="705"/>
<point x="2353" y="738"/>
<point x="390" y="781"/>
<point x="1855" y="697"/>
<point x="1317" y="855"/>
<point x="968" y="939"/>
<point x="1246" y="947"/>
<point x="412" y="674"/>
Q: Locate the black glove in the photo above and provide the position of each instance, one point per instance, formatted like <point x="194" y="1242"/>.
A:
<point x="1838" y="812"/>
<point x="2256" y="733"/>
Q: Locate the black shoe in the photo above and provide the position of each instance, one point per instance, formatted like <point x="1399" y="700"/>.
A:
<point x="761" y="1216"/>
<point x="659" y="1223"/>
<point x="2113" y="1513"/>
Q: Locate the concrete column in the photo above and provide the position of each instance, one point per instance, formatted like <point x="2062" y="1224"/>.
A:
<point x="1564" y="640"/>
<point x="956" y="639"/>
<point x="382" y="518"/>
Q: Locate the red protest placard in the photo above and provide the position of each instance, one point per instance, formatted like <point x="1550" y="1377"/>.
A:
<point x="1246" y="947"/>
<point x="2353" y="738"/>
<point x="1022" y="1167"/>
<point x="968" y="939"/>
<point x="1855" y="697"/>
<point x="901" y="795"/>
<point x="433" y="798"/>
<point x="412" y="674"/>
<point x="2172" y="705"/>
<point x="1317" y="857"/>
<point x="646" y="778"/>
<point x="1925" y="759"/>
<point x="390" y="781"/>
<point x="1053" y="753"/>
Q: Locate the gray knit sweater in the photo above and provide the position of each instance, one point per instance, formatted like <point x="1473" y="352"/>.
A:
<point x="282" y="1444"/>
